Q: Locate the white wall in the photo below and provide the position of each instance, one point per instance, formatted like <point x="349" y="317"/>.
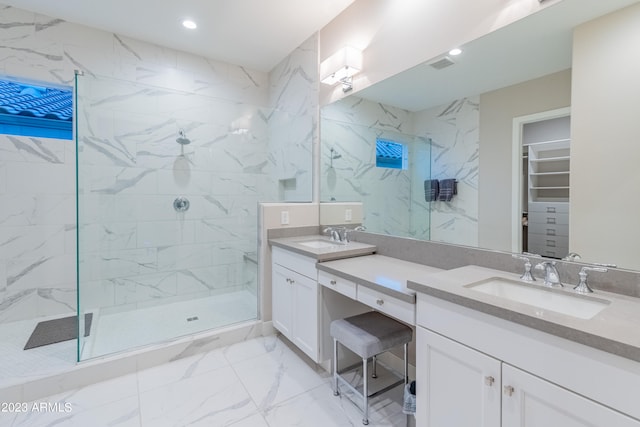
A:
<point x="397" y="35"/>
<point x="497" y="111"/>
<point x="604" y="203"/>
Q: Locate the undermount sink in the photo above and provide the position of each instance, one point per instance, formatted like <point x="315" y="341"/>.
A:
<point x="538" y="296"/>
<point x="317" y="244"/>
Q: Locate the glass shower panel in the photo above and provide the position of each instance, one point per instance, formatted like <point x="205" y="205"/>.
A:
<point x="168" y="184"/>
<point x="393" y="199"/>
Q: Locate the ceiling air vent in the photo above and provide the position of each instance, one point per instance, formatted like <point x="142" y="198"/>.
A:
<point x="441" y="63"/>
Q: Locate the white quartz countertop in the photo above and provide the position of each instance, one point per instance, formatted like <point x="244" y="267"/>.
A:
<point x="615" y="329"/>
<point x="334" y="251"/>
<point x="382" y="273"/>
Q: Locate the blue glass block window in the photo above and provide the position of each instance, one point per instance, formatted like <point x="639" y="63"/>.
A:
<point x="390" y="154"/>
<point x="35" y="110"/>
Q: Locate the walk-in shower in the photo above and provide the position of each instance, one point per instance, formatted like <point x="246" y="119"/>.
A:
<point x="167" y="233"/>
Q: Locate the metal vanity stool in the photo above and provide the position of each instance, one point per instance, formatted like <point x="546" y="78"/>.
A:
<point x="368" y="335"/>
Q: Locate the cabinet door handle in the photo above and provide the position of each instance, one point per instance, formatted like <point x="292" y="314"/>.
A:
<point x="489" y="380"/>
<point x="380" y="301"/>
<point x="333" y="282"/>
<point x="508" y="390"/>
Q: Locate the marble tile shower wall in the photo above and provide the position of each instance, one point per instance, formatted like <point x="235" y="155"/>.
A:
<point x="135" y="249"/>
<point x="350" y="126"/>
<point x="454" y="132"/>
<point x="293" y="129"/>
<point x="443" y="143"/>
<point x="37" y="176"/>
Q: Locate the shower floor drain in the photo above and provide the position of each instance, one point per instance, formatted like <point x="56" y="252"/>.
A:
<point x="191" y="319"/>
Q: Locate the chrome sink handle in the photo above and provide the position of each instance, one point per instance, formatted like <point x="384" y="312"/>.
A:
<point x="551" y="275"/>
<point x="583" y="286"/>
<point x="526" y="276"/>
<point x="348" y="232"/>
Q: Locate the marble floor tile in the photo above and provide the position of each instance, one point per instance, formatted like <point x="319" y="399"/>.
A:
<point x="249" y="349"/>
<point x="214" y="398"/>
<point x="320" y="408"/>
<point x="277" y="376"/>
<point x="259" y="383"/>
<point x="181" y="369"/>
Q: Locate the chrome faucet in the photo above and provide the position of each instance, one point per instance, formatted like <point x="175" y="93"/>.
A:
<point x="341" y="234"/>
<point x="551" y="275"/>
<point x="333" y="233"/>
<point x="583" y="286"/>
<point x="526" y="276"/>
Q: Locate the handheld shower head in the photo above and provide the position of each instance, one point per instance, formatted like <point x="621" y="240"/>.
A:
<point x="182" y="138"/>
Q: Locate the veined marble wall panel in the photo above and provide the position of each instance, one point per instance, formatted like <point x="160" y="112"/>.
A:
<point x="131" y="170"/>
<point x="293" y="129"/>
<point x="372" y="114"/>
<point x="351" y="126"/>
<point x="420" y="167"/>
<point x="37" y="214"/>
<point x="454" y="131"/>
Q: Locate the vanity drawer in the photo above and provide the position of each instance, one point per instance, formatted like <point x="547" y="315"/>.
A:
<point x="401" y="310"/>
<point x="295" y="262"/>
<point x="338" y="284"/>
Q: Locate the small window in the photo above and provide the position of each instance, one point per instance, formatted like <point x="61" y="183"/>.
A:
<point x="390" y="154"/>
<point x="35" y="110"/>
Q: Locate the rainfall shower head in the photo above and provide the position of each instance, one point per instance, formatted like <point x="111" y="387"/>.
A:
<point x="182" y="138"/>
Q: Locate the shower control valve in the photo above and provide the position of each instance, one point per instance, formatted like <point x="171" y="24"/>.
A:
<point x="181" y="204"/>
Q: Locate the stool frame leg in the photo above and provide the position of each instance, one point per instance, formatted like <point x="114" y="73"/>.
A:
<point x="406" y="363"/>
<point x="374" y="374"/>
<point x="336" y="390"/>
<point x="365" y="392"/>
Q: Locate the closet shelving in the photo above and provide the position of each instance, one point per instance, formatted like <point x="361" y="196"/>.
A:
<point x="549" y="163"/>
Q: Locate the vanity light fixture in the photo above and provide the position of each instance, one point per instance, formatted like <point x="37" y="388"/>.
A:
<point x="455" y="52"/>
<point x="189" y="24"/>
<point x="341" y="67"/>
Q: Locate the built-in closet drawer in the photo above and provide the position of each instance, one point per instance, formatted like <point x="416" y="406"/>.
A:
<point x="549" y="207"/>
<point x="338" y="284"/>
<point x="551" y="246"/>
<point x="548" y="218"/>
<point x="401" y="310"/>
<point x="549" y="229"/>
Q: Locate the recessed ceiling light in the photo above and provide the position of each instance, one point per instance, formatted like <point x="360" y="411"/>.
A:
<point x="188" y="23"/>
<point x="454" y="52"/>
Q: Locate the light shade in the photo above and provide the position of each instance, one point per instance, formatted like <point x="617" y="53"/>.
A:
<point x="341" y="65"/>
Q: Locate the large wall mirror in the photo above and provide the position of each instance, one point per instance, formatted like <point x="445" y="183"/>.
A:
<point x="453" y="149"/>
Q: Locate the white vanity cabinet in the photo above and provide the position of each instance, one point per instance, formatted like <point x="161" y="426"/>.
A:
<point x="529" y="401"/>
<point x="471" y="373"/>
<point x="295" y="300"/>
<point x="459" y="386"/>
<point x="455" y="385"/>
